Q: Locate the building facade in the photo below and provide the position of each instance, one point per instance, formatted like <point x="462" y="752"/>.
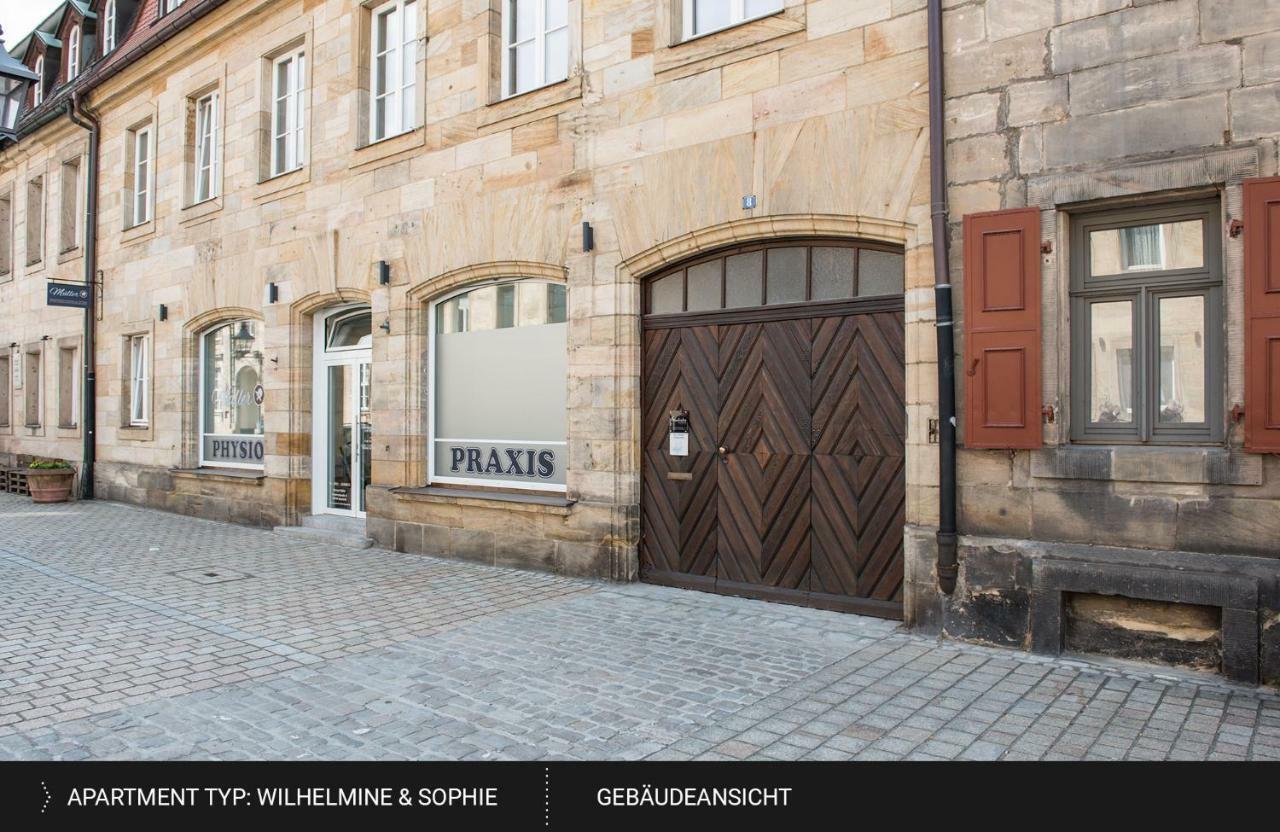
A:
<point x="645" y="289"/>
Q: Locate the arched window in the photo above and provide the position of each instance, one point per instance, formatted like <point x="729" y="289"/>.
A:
<point x="231" y="396"/>
<point x="109" y="27"/>
<point x="499" y="369"/>
<point x="73" y="54"/>
<point x="37" y="89"/>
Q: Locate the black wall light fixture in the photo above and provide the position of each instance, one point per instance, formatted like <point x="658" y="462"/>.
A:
<point x="273" y="293"/>
<point x="588" y="237"/>
<point x="384" y="273"/>
<point x="164" y="312"/>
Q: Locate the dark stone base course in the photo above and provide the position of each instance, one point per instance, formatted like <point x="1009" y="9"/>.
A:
<point x="1012" y="593"/>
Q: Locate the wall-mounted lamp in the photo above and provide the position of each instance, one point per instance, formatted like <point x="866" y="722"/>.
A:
<point x="385" y="326"/>
<point x="164" y="312"/>
<point x="588" y="237"/>
<point x="384" y="273"/>
<point x="273" y="293"/>
<point x="46" y="337"/>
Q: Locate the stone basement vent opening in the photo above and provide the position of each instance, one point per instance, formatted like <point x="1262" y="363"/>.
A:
<point x="1165" y="632"/>
<point x="211" y="575"/>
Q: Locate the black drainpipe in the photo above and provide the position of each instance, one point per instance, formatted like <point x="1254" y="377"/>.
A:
<point x="947" y="567"/>
<point x="89" y="399"/>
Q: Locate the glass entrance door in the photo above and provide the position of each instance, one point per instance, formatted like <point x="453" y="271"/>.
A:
<point x="343" y="423"/>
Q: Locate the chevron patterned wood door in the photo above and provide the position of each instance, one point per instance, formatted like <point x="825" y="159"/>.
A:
<point x="806" y="503"/>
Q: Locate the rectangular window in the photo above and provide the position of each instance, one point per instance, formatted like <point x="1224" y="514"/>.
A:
<point x="5" y="387"/>
<point x="702" y="17"/>
<point x="206" y="146"/>
<point x="139" y="381"/>
<point x="394" y="50"/>
<point x="69" y="211"/>
<point x="535" y="44"/>
<point x="68" y="387"/>
<point x="231" y="396"/>
<point x="6" y="233"/>
<point x="109" y="27"/>
<point x="493" y="345"/>
<point x="1147" y="325"/>
<point x="73" y="54"/>
<point x="140" y="192"/>
<point x="170" y="5"/>
<point x="288" y="76"/>
<point x="31" y="389"/>
<point x="35" y="220"/>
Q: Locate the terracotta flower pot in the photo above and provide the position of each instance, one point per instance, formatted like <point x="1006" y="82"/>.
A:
<point x="50" y="485"/>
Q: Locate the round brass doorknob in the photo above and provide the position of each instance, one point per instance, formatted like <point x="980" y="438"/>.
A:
<point x="723" y="450"/>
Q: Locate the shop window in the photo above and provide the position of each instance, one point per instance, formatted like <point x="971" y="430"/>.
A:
<point x="69" y="209"/>
<point x="68" y="387"/>
<point x="231" y="396"/>
<point x="702" y="17"/>
<point x="5" y="386"/>
<point x="535" y="44"/>
<point x="139" y="362"/>
<point x="777" y="274"/>
<point x="35" y="220"/>
<point x="288" y="136"/>
<point x="1146" y="324"/>
<point x="499" y="375"/>
<point x="393" y="50"/>
<point x="31" y="388"/>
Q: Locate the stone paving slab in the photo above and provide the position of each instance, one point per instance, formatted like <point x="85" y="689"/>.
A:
<point x="107" y="652"/>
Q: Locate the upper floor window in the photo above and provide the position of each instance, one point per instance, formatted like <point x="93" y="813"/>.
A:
<point x="702" y="17"/>
<point x="109" y="27"/>
<point x="37" y="89"/>
<point x="535" y="44"/>
<point x="206" y="140"/>
<point x="288" y="74"/>
<point x="1146" y="324"/>
<point x="170" y="5"/>
<point x="394" y="68"/>
<point x="73" y="54"/>
<point x="140" y="187"/>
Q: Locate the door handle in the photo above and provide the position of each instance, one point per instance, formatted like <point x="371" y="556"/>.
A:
<point x="723" y="453"/>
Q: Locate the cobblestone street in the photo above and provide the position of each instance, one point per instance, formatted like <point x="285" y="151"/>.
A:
<point x="129" y="633"/>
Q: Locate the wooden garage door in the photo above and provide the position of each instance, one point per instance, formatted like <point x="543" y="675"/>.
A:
<point x="794" y="485"/>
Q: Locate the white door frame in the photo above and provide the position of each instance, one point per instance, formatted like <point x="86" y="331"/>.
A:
<point x="321" y="361"/>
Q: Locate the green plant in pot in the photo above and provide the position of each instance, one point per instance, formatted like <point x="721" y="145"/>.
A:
<point x="49" y="481"/>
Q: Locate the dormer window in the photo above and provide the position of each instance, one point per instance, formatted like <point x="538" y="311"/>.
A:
<point x="109" y="27"/>
<point x="73" y="54"/>
<point x="37" y="89"/>
<point x="170" y="5"/>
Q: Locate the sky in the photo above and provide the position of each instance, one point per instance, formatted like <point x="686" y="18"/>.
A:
<point x="19" y="17"/>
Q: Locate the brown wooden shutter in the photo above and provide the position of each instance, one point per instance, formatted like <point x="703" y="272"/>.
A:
<point x="1002" y="329"/>
<point x="1262" y="315"/>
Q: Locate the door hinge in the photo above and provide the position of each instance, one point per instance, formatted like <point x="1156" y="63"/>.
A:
<point x="1237" y="412"/>
<point x="1048" y="414"/>
<point x="1235" y="229"/>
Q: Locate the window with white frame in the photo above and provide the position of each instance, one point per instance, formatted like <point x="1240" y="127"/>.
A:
<point x="702" y="17"/>
<point x="535" y="44"/>
<point x="139" y="381"/>
<point x="288" y="79"/>
<point x="37" y="89"/>
<point x="231" y="396"/>
<point x="393" y="104"/>
<point x="109" y="27"/>
<point x="140" y="190"/>
<point x="170" y="5"/>
<point x="493" y="345"/>
<point x="206" y="141"/>
<point x="73" y="54"/>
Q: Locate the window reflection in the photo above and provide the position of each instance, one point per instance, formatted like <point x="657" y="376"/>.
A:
<point x="1111" y="343"/>
<point x="1182" y="360"/>
<point x="1144" y="248"/>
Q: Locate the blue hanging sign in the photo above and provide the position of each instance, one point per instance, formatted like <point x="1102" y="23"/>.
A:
<point x="73" y="295"/>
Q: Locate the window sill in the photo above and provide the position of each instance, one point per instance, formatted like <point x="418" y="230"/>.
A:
<point x="1179" y="464"/>
<point x="736" y="43"/>
<point x="281" y="185"/>
<point x="199" y="211"/>
<point x="385" y="150"/>
<point x="69" y="255"/>
<point x="551" y="503"/>
<point x="239" y="475"/>
<point x="137" y="232"/>
<point x="529" y="106"/>
<point x="135" y="433"/>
